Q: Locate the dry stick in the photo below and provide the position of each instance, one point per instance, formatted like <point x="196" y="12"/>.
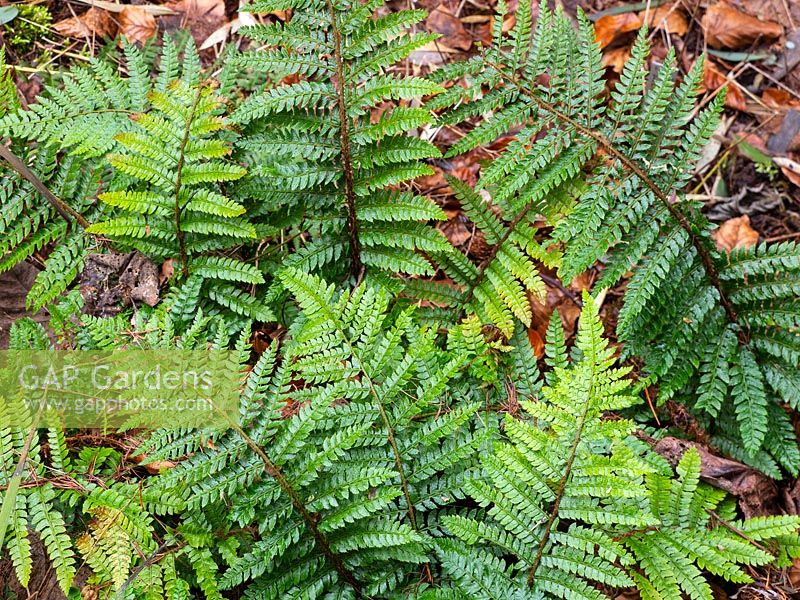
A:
<point x="62" y="208"/>
<point x="179" y="169"/>
<point x="311" y="523"/>
<point x="699" y="245"/>
<point x="344" y="142"/>
<point x="737" y="531"/>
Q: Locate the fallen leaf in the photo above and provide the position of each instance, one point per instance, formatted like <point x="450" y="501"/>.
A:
<point x="453" y="33"/>
<point x="201" y="17"/>
<point x="94" y="23"/>
<point x="8" y="14"/>
<point x="794" y="573"/>
<point x="756" y="492"/>
<point x="710" y="151"/>
<point x="153" y="9"/>
<point x="610" y="27"/>
<point x="167" y="271"/>
<point x="136" y="24"/>
<point x="726" y="27"/>
<point x="735" y="233"/>
<point x="714" y="78"/>
<point x="780" y="99"/>
<point x="668" y="18"/>
<point x="615" y="58"/>
<point x="159" y="466"/>
<point x="752" y="146"/>
<point x="537" y="343"/>
<point x="473" y="19"/>
<point x="221" y="34"/>
<point x="582" y="282"/>
<point x="14" y="287"/>
<point x="113" y="280"/>
<point x="432" y="54"/>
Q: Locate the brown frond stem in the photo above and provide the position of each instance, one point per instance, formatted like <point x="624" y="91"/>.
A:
<point x="62" y="208"/>
<point x="179" y="169"/>
<point x="344" y="142"/>
<point x="398" y="457"/>
<point x="398" y="460"/>
<point x="274" y="472"/>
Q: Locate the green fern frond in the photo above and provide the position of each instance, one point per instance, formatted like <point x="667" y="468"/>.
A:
<point x="574" y="506"/>
<point x="696" y="316"/>
<point x="315" y="137"/>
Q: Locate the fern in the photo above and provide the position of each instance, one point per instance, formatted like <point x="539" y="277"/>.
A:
<point x="121" y="532"/>
<point x="8" y="91"/>
<point x="81" y="116"/>
<point x="498" y="289"/>
<point x="576" y="505"/>
<point x="168" y="191"/>
<point x="710" y="327"/>
<point x="319" y="163"/>
<point x="91" y="107"/>
<point x="345" y="489"/>
<point x="395" y="437"/>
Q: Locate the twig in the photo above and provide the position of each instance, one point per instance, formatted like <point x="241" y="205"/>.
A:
<point x="556" y="283"/>
<point x="138" y="570"/>
<point x="63" y="209"/>
<point x="738" y="532"/>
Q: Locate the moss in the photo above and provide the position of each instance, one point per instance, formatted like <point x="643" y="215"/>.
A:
<point x="29" y="25"/>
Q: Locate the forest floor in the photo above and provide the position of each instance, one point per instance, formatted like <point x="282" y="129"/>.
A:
<point x="748" y="178"/>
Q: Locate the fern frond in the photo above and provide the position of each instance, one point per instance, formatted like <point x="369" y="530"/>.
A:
<point x="315" y="136"/>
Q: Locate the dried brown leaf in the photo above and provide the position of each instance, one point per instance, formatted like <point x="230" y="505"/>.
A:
<point x="667" y="18"/>
<point x="441" y="20"/>
<point x="201" y="17"/>
<point x="714" y="78"/>
<point x="610" y="27"/>
<point x="616" y="58"/>
<point x="780" y="99"/>
<point x="159" y="466"/>
<point x="756" y="492"/>
<point x="727" y="27"/>
<point x="537" y="343"/>
<point x="94" y="23"/>
<point x="136" y="24"/>
<point x="735" y="233"/>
